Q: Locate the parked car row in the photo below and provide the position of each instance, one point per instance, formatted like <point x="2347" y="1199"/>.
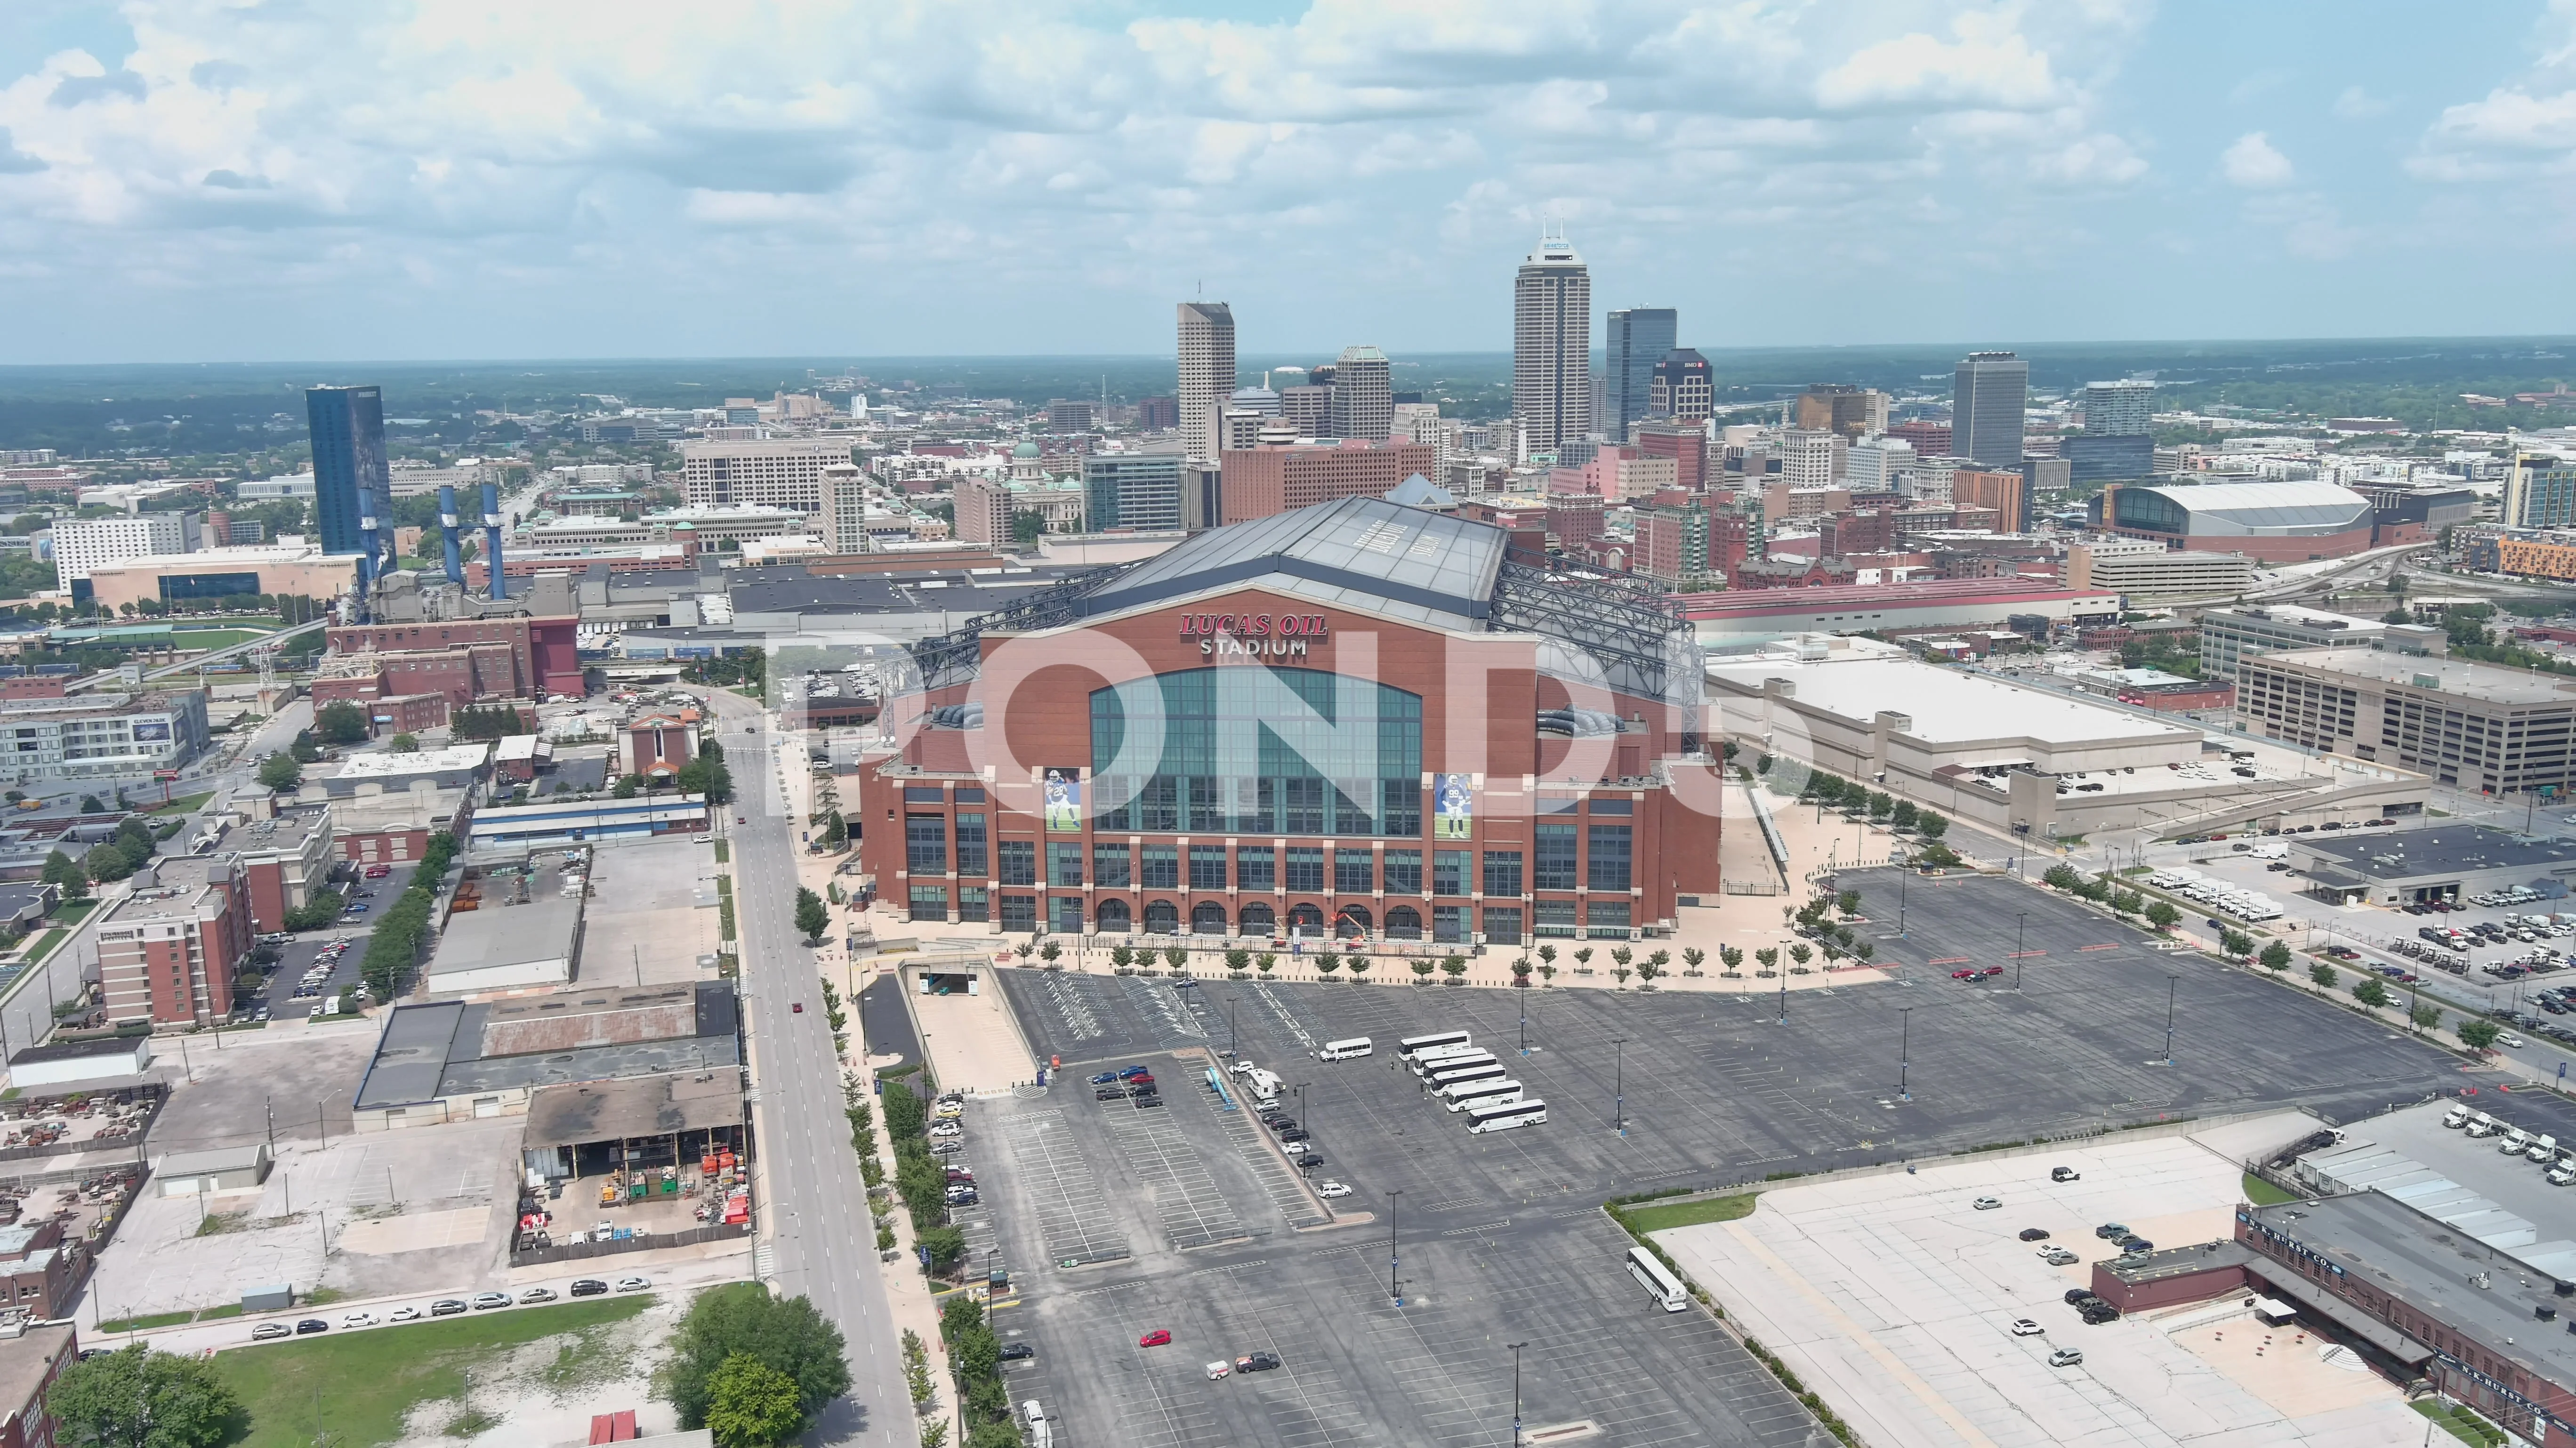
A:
<point x="2557" y="1163"/>
<point x="445" y="1307"/>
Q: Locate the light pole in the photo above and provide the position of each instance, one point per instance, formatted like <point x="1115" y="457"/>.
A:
<point x="1619" y="1084"/>
<point x="1309" y="1120"/>
<point x="2171" y="981"/>
<point x="2020" y="920"/>
<point x="1516" y="1391"/>
<point x="1394" y="1293"/>
<point x="1229" y="1029"/>
<point x="1904" y="1049"/>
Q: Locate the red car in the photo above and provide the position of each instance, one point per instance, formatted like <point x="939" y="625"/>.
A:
<point x="1963" y="975"/>
<point x="1990" y="972"/>
<point x="378" y="872"/>
<point x="1159" y="1337"/>
<point x="797" y="1009"/>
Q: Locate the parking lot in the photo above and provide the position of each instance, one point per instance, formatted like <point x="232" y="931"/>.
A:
<point x="283" y="994"/>
<point x="1499" y="1237"/>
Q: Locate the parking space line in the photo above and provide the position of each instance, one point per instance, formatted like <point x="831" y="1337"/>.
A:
<point x="1243" y="1130"/>
<point x="1074" y="1221"/>
<point x="1193" y="1212"/>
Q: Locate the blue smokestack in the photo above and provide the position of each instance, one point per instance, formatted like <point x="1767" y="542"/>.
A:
<point x="492" y="539"/>
<point x="447" y="530"/>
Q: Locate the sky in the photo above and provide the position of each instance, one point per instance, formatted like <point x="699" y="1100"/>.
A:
<point x="269" y="180"/>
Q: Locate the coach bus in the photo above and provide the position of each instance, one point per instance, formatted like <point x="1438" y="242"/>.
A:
<point x="1482" y="1119"/>
<point x="1489" y="1092"/>
<point x="1439" y="1056"/>
<point x="1346" y="1050"/>
<point x="1657" y="1279"/>
<point x="1412" y="1046"/>
<point x="1443" y="1071"/>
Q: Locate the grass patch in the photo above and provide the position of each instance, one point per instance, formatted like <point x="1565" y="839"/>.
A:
<point x="229" y="1309"/>
<point x="45" y="944"/>
<point x="368" y="1381"/>
<point x="146" y="1324"/>
<point x="2263" y="1194"/>
<point x="73" y="912"/>
<point x="1687" y="1214"/>
<point x="2459" y="1422"/>
<point x="185" y="804"/>
<point x="323" y="1296"/>
<point x="724" y="851"/>
<point x="218" y="1223"/>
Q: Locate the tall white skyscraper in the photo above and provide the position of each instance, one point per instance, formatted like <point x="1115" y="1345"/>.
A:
<point x="2119" y="409"/>
<point x="1206" y="375"/>
<point x="1552" y="346"/>
<point x="1363" y="394"/>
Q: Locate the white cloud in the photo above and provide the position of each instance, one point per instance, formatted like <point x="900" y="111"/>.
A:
<point x="2357" y="104"/>
<point x="1989" y="64"/>
<point x="2253" y="164"/>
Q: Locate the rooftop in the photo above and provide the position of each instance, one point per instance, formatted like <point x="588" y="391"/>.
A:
<point x="1947" y="706"/>
<point x="439" y="1049"/>
<point x="1382" y="556"/>
<point x="385" y="764"/>
<point x="1929" y="593"/>
<point x="79" y="1050"/>
<point x="28" y="1360"/>
<point x="2294" y="614"/>
<point x="645" y="1106"/>
<point x="2440" y="850"/>
<point x="2485" y="683"/>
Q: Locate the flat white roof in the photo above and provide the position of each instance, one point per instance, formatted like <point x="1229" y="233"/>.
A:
<point x="1948" y="706"/>
<point x="386" y="764"/>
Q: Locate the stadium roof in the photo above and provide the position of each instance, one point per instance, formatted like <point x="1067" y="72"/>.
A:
<point x="2239" y="509"/>
<point x="1365" y="552"/>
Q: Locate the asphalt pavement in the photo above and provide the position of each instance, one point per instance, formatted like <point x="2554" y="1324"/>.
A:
<point x="819" y="1233"/>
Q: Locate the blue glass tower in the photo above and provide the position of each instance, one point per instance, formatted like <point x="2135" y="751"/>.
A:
<point x="1634" y="341"/>
<point x="350" y="481"/>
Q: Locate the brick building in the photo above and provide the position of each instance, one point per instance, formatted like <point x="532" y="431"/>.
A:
<point x="29" y="1363"/>
<point x="169" y="953"/>
<point x="657" y="746"/>
<point x="285" y="862"/>
<point x="463" y="660"/>
<point x="1263" y="482"/>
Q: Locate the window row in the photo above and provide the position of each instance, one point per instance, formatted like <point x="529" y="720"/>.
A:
<point x="1063" y="915"/>
<point x="1566" y="857"/>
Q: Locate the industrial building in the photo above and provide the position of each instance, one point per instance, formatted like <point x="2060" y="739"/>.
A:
<point x="2288" y="522"/>
<point x="511" y="924"/>
<point x="2436" y="862"/>
<point x="2478" y="726"/>
<point x="587" y="821"/>
<point x="455" y="1060"/>
<point x="467" y="660"/>
<point x="1743" y="618"/>
<point x="1362" y="718"/>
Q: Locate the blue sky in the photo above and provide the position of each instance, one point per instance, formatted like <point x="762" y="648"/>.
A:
<point x="330" y="179"/>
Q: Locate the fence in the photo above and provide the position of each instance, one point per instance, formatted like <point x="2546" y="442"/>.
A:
<point x="157" y="1092"/>
<point x="583" y="1251"/>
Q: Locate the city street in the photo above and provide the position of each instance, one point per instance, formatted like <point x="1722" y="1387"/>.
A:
<point x="820" y="1234"/>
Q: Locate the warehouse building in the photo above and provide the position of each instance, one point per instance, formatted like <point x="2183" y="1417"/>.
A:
<point x="2478" y="726"/>
<point x="2440" y="862"/>
<point x="455" y="1060"/>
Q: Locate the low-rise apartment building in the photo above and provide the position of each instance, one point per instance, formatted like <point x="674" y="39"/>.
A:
<point x="170" y="952"/>
<point x="2476" y="726"/>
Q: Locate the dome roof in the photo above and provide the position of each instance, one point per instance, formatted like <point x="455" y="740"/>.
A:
<point x="1026" y="450"/>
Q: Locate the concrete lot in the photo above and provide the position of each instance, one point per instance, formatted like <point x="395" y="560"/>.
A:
<point x="1894" y="1296"/>
<point x="644" y="914"/>
<point x="1500" y="1237"/>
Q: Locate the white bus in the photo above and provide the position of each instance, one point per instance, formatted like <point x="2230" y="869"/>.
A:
<point x="1412" y="1046"/>
<point x="1466" y="1071"/>
<point x="1658" y="1280"/>
<point x="1504" y="1118"/>
<point x="1465" y="1094"/>
<point x="1443" y="1071"/>
<point x="1437" y="1056"/>
<point x="1351" y="1049"/>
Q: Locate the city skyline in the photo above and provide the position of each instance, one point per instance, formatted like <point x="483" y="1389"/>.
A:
<point x="223" y="185"/>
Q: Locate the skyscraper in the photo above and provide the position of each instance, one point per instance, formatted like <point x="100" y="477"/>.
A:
<point x="1363" y="394"/>
<point x="1988" y="395"/>
<point x="351" y="484"/>
<point x="1633" y="341"/>
<point x="1206" y="374"/>
<point x="2119" y="409"/>
<point x="1681" y="387"/>
<point x="1552" y="346"/>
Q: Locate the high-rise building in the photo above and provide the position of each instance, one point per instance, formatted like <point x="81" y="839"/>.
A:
<point x="1070" y="414"/>
<point x="1552" y="346"/>
<point x="1206" y="374"/>
<point x="1132" y="492"/>
<point x="1363" y="394"/>
<point x="351" y="482"/>
<point x="1259" y="400"/>
<point x="2539" y="492"/>
<point x="84" y="544"/>
<point x="983" y="510"/>
<point x="1672" y="544"/>
<point x="2119" y="409"/>
<point x="2007" y="493"/>
<point x="783" y="472"/>
<point x="1871" y="465"/>
<point x="1681" y="387"/>
<point x="1308" y="408"/>
<point x="1988" y="395"/>
<point x="1807" y="458"/>
<point x="1633" y="341"/>
<point x="845" y="508"/>
<point x="1158" y="414"/>
<point x="168" y="955"/>
<point x="1855" y="412"/>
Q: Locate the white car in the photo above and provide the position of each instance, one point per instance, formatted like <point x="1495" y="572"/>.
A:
<point x="405" y="1314"/>
<point x="947" y="1129"/>
<point x="1332" y="1189"/>
<point x="1986" y="1204"/>
<point x="2510" y="1040"/>
<point x="1241" y="1068"/>
<point x="359" y="1319"/>
<point x="633" y="1284"/>
<point x="2058" y="1257"/>
<point x="2024" y="1327"/>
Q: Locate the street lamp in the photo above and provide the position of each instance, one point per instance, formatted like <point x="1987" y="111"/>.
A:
<point x="1904" y="1049"/>
<point x="1619" y="1084"/>
<point x="1394" y="1294"/>
<point x="2021" y="919"/>
<point x="1229" y="1029"/>
<point x="2171" y="981"/>
<point x="1309" y="1120"/>
<point x="1516" y="1391"/>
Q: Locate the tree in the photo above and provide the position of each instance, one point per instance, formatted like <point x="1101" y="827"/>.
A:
<point x="1421" y="969"/>
<point x="1359" y="966"/>
<point x="1177" y="957"/>
<point x="404" y="744"/>
<point x="813" y="917"/>
<point x="305" y="750"/>
<point x="106" y="862"/>
<point x="2162" y="915"/>
<point x="92" y="804"/>
<point x="2061" y="877"/>
<point x="628" y="786"/>
<point x="1731" y="956"/>
<point x="2235" y="944"/>
<point x="138" y="1398"/>
<point x="1768" y="958"/>
<point x="836" y="831"/>
<point x="2424" y="1015"/>
<point x="751" y="1404"/>
<point x="1453" y="965"/>
<point x="785" y="1335"/>
<point x="1848" y="902"/>
<point x="280" y="772"/>
<point x="1800" y="953"/>
<point x="2275" y="956"/>
<point x="1238" y="960"/>
<point x="1905" y="815"/>
<point x="1930" y="825"/>
<point x="340" y="722"/>
<point x="944" y="1244"/>
<point x="61" y="869"/>
<point x="2322" y="976"/>
<point x="1693" y="958"/>
<point x="2476" y="1034"/>
<point x="1936" y="856"/>
<point x="2370" y="991"/>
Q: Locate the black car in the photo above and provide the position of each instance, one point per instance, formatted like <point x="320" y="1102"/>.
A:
<point x="2111" y="1231"/>
<point x="2136" y="1244"/>
<point x="1146" y="1089"/>
<point x="2034" y="1234"/>
<point x="589" y="1287"/>
<point x="1308" y="1159"/>
<point x="2097" y="1312"/>
<point x="2075" y="1295"/>
<point x="1260" y="1362"/>
<point x="311" y="1324"/>
<point x="1107" y="1093"/>
<point x="1293" y="1135"/>
<point x="1282" y="1123"/>
<point x="1144" y="1101"/>
<point x="1015" y="1351"/>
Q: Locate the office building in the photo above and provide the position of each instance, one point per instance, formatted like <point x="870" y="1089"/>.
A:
<point x="784" y="472"/>
<point x="983" y="510"/>
<point x="1551" y="347"/>
<point x="2119" y="409"/>
<point x="1363" y="395"/>
<point x="1158" y="414"/>
<point x="2145" y="573"/>
<point x="1855" y="412"/>
<point x="169" y="952"/>
<point x="845" y="508"/>
<point x="101" y="735"/>
<point x="1633" y="341"/>
<point x="1067" y="414"/>
<point x="1807" y="459"/>
<point x="1684" y="442"/>
<point x="2007" y="493"/>
<point x="1132" y="492"/>
<point x="2478" y="726"/>
<point x="1257" y="400"/>
<point x="352" y="483"/>
<point x="2119" y="458"/>
<point x="2540" y="491"/>
<point x="1681" y="387"/>
<point x="1874" y="465"/>
<point x="1329" y="791"/>
<point x="2230" y="634"/>
<point x="298" y="570"/>
<point x="298" y="486"/>
<point x="1988" y="395"/>
<point x="1265" y="481"/>
<point x="2292" y="522"/>
<point x="1206" y="375"/>
<point x="1308" y="409"/>
<point x="81" y="545"/>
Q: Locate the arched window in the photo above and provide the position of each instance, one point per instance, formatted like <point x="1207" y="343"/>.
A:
<point x="1404" y="923"/>
<point x="1207" y="918"/>
<point x="1114" y="916"/>
<point x="1162" y="917"/>
<point x="1352" y="921"/>
<point x="1259" y="919"/>
<point x="1306" y="921"/>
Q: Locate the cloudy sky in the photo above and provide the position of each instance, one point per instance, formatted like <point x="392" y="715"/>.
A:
<point x="383" y="179"/>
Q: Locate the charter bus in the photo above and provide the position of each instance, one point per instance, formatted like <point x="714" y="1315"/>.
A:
<point x="1464" y="1094"/>
<point x="1658" y="1280"/>
<point x="1412" y="1046"/>
<point x="1438" y="1056"/>
<point x="1444" y="1071"/>
<point x="1503" y="1118"/>
<point x="1353" y="1048"/>
<point x="1466" y="1071"/>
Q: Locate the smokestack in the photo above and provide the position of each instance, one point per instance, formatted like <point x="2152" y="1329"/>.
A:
<point x="447" y="530"/>
<point x="500" y="588"/>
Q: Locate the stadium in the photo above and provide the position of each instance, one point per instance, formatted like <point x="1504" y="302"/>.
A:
<point x="2291" y="522"/>
<point x="1360" y="719"/>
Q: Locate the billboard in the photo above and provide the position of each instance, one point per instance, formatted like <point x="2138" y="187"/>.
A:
<point x="1063" y="801"/>
<point x="152" y="730"/>
<point x="1453" y="807"/>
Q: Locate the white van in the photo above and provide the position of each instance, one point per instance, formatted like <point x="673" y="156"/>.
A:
<point x="1352" y="1049"/>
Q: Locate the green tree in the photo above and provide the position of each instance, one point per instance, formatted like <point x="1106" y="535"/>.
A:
<point x="1905" y="815"/>
<point x="1453" y="966"/>
<point x="628" y="786"/>
<point x="944" y="1244"/>
<point x="1930" y="825"/>
<point x="1848" y="902"/>
<point x="1731" y="956"/>
<point x="836" y="831"/>
<point x="2322" y="976"/>
<point x="2061" y="876"/>
<point x="751" y="1404"/>
<point x="305" y="750"/>
<point x="2370" y="991"/>
<point x="2235" y="944"/>
<point x="785" y="1335"/>
<point x="404" y="744"/>
<point x="1936" y="856"/>
<point x="2275" y="956"/>
<point x="92" y="804"/>
<point x="2476" y="1034"/>
<point x="1421" y="969"/>
<point x="62" y="869"/>
<point x="281" y="772"/>
<point x="2425" y="1015"/>
<point x="106" y="862"/>
<point x="340" y="722"/>
<point x="138" y="1398"/>
<point x="2162" y="915"/>
<point x="813" y="917"/>
<point x="1767" y="957"/>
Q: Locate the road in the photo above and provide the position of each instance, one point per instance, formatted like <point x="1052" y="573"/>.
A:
<point x="820" y="1235"/>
